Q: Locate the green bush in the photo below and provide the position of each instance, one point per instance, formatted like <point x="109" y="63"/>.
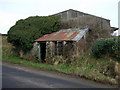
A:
<point x="8" y="52"/>
<point x="106" y="47"/>
<point x="24" y="32"/>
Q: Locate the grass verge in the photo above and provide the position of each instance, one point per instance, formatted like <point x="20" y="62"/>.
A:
<point x="86" y="67"/>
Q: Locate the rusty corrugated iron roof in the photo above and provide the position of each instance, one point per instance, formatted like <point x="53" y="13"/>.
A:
<point x="64" y="35"/>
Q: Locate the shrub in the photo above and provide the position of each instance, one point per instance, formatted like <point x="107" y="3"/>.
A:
<point x="103" y="47"/>
<point x="30" y="57"/>
<point x="8" y="52"/>
<point x="24" y="32"/>
<point x="53" y="60"/>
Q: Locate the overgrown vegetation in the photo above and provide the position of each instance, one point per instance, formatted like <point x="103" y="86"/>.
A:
<point x="86" y="66"/>
<point x="24" y="32"/>
<point x="100" y="70"/>
<point x="107" y="47"/>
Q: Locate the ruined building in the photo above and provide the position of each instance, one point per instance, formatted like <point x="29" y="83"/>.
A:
<point x="78" y="31"/>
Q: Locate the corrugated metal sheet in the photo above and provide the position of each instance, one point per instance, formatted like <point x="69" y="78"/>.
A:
<point x="64" y="35"/>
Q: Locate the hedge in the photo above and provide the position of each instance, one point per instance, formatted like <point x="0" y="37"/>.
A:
<point x="109" y="46"/>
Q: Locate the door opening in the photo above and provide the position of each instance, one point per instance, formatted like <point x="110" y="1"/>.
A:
<point x="43" y="51"/>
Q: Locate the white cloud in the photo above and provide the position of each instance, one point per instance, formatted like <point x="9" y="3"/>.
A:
<point x="7" y="20"/>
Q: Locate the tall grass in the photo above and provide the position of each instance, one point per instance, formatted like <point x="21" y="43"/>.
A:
<point x="86" y="66"/>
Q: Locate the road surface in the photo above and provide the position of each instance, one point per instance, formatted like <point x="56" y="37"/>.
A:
<point x="15" y="76"/>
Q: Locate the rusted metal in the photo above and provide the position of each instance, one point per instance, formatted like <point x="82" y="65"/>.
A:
<point x="64" y="35"/>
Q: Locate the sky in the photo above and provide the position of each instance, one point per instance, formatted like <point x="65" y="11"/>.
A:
<point x="14" y="10"/>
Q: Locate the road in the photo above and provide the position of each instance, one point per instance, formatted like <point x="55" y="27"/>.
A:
<point x="15" y="76"/>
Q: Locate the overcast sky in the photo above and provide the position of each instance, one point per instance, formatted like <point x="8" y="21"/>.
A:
<point x="13" y="10"/>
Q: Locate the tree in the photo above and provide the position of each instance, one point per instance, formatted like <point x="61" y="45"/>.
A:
<point x="24" y="32"/>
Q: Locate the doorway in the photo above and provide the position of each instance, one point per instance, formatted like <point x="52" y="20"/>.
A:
<point x="43" y="51"/>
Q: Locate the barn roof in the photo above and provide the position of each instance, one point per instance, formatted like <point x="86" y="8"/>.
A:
<point x="64" y="35"/>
